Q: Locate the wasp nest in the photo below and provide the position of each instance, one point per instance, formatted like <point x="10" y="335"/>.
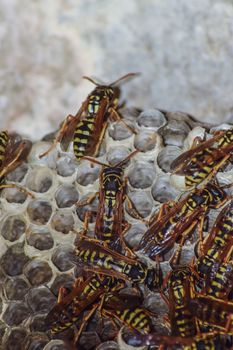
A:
<point x="38" y="234"/>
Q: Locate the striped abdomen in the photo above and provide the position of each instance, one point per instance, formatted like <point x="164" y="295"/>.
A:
<point x="220" y="242"/>
<point x="182" y="321"/>
<point x="67" y="315"/>
<point x="226" y="139"/>
<point x="95" y="256"/>
<point x="211" y="310"/>
<point x="110" y="220"/>
<point x="210" y="343"/>
<point x="4" y="137"/>
<point x="200" y="167"/>
<point x="82" y="135"/>
<point x="222" y="283"/>
<point x="135" y="318"/>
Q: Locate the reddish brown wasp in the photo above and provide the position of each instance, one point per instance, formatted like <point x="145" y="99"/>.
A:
<point x="202" y="162"/>
<point x="87" y="128"/>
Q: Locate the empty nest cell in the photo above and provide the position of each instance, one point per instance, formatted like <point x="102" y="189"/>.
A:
<point x="40" y="179"/>
<point x="13" y="227"/>
<point x="66" y="196"/>
<point x="40" y="238"/>
<point x="39" y="211"/>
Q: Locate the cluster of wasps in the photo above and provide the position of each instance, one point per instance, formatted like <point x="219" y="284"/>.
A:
<point x="198" y="295"/>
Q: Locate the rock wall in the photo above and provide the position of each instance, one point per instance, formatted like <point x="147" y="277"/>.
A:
<point x="182" y="48"/>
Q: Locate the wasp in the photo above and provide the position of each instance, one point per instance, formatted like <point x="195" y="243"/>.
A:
<point x="181" y="290"/>
<point x="72" y="303"/>
<point x="179" y="221"/>
<point x="125" y="308"/>
<point x="129" y="312"/>
<point x="87" y="128"/>
<point x="202" y="161"/>
<point x="12" y="153"/>
<point x="110" y="223"/>
<point x="221" y="284"/>
<point x="218" y="244"/>
<point x="216" y="312"/>
<point x="106" y="261"/>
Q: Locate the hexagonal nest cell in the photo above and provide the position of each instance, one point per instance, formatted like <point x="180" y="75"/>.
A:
<point x="38" y="233"/>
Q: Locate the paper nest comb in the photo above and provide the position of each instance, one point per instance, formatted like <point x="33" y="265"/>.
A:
<point x="36" y="234"/>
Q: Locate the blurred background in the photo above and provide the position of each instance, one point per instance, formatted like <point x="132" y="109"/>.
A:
<point x="183" y="49"/>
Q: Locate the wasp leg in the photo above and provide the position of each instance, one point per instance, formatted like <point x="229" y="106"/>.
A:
<point x="104" y="313"/>
<point x="200" y="234"/>
<point x="133" y="211"/>
<point x="229" y="324"/>
<point x="196" y="141"/>
<point x="174" y="261"/>
<point x="65" y="126"/>
<point x="62" y="294"/>
<point x="78" y="282"/>
<point x="84" y="230"/>
<point x="21" y="189"/>
<point x="123" y="243"/>
<point x="91" y="239"/>
<point x="114" y="115"/>
<point x="64" y="291"/>
<point x="13" y="164"/>
<point x="216" y="169"/>
<point x="163" y="295"/>
<point x="109" y="273"/>
<point x="104" y="127"/>
<point x="87" y="201"/>
<point x="163" y="210"/>
<point x="84" y="322"/>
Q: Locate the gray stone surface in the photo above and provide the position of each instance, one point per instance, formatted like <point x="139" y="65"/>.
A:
<point x="182" y="48"/>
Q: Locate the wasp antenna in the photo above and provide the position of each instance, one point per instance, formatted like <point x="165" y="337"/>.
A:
<point x="126" y="76"/>
<point x="91" y="80"/>
<point x="126" y="159"/>
<point x="92" y="160"/>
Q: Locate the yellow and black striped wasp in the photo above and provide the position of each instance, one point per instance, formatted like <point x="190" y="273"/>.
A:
<point x="202" y="161"/>
<point x="87" y="295"/>
<point x="13" y="151"/>
<point x="87" y="128"/>
<point x="84" y="295"/>
<point x="217" y="246"/>
<point x="100" y="259"/>
<point x="220" y="285"/>
<point x="179" y="221"/>
<point x="128" y="310"/>
<point x="110" y="224"/>
<point x="180" y="283"/>
<point x="124" y="308"/>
